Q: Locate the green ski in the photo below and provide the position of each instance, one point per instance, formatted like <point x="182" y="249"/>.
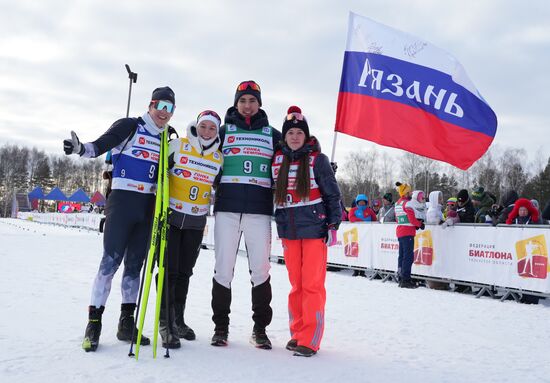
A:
<point x="157" y="246"/>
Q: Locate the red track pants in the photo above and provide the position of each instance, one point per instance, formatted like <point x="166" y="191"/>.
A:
<point x="306" y="262"/>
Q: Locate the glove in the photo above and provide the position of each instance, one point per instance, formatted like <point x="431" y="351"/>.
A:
<point x="331" y="238"/>
<point x="422" y="226"/>
<point x="73" y="146"/>
<point x="334" y="166"/>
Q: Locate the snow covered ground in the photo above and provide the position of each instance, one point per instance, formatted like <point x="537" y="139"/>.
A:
<point x="374" y="331"/>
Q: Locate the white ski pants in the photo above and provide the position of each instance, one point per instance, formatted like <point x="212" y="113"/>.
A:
<point x="228" y="229"/>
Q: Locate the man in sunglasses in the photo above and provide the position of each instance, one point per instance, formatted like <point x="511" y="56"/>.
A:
<point x="135" y="147"/>
<point x="244" y="204"/>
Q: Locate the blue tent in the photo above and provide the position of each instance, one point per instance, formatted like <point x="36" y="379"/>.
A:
<point x="98" y="199"/>
<point x="79" y="196"/>
<point x="37" y="193"/>
<point x="56" y="195"/>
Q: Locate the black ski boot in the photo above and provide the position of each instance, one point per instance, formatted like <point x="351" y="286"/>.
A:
<point x="261" y="314"/>
<point x="167" y="329"/>
<point x="182" y="330"/>
<point x="291" y="345"/>
<point x="220" y="337"/>
<point x="93" y="329"/>
<point x="126" y="325"/>
<point x="304" y="351"/>
<point x="259" y="339"/>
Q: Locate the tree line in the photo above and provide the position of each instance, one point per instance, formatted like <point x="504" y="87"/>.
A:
<point x="22" y="169"/>
<point x="374" y="174"/>
<point x="367" y="171"/>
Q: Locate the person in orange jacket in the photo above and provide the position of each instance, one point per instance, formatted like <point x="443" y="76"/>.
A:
<point x="307" y="215"/>
<point x="407" y="224"/>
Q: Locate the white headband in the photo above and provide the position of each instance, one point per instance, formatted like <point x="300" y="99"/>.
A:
<point x="209" y="117"/>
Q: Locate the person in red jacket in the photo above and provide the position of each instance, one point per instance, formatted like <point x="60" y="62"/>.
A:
<point x="361" y="212"/>
<point x="307" y="215"/>
<point x="407" y="224"/>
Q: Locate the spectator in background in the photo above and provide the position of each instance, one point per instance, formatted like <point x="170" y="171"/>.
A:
<point x="523" y="213"/>
<point x="507" y="202"/>
<point x="450" y="215"/>
<point x="434" y="215"/>
<point x="536" y="205"/>
<point x="418" y="204"/>
<point x="466" y="211"/>
<point x="376" y="205"/>
<point x="407" y="224"/>
<point x="546" y="212"/>
<point x="387" y="211"/>
<point x="345" y="213"/>
<point x="361" y="212"/>
<point x="483" y="203"/>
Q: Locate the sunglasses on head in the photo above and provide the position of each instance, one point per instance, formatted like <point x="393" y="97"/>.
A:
<point x="161" y="104"/>
<point x="209" y="113"/>
<point x="248" y="84"/>
<point x="295" y="116"/>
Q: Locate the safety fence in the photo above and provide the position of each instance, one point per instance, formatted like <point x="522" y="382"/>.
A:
<point x="85" y="220"/>
<point x="514" y="258"/>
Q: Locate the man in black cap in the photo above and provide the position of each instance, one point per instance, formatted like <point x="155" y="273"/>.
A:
<point x="135" y="147"/>
<point x="466" y="211"/>
<point x="244" y="205"/>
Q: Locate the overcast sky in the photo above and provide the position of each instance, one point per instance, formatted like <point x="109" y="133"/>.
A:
<point x="62" y="62"/>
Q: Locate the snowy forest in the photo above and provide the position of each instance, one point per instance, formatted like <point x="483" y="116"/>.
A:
<point x="368" y="171"/>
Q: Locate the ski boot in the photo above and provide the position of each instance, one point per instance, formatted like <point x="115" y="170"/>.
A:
<point x="220" y="337"/>
<point x="93" y="329"/>
<point x="259" y="339"/>
<point x="126" y="325"/>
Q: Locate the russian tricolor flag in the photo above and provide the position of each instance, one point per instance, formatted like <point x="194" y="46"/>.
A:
<point x="398" y="90"/>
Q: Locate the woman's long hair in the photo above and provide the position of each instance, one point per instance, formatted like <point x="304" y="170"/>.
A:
<point x="302" y="180"/>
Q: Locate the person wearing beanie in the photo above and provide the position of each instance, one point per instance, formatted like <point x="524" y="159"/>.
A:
<point x="450" y="216"/>
<point x="387" y="211"/>
<point x="407" y="224"/>
<point x="483" y="203"/>
<point x="361" y="212"/>
<point x="506" y="205"/>
<point x="466" y="211"/>
<point x="135" y="147"/>
<point x="244" y="205"/>
<point x="195" y="161"/>
<point x="307" y="214"/>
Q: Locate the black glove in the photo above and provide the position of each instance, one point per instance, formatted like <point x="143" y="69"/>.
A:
<point x="422" y="226"/>
<point x="73" y="145"/>
<point x="334" y="166"/>
<point x="171" y="161"/>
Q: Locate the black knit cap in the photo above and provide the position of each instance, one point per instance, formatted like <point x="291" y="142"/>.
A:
<point x="295" y="122"/>
<point x="164" y="93"/>
<point x="462" y="196"/>
<point x="388" y="197"/>
<point x="248" y="89"/>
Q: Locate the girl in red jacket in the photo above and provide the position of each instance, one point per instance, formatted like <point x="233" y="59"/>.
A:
<point x="307" y="214"/>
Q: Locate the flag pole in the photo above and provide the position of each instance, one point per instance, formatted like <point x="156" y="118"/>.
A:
<point x="333" y="147"/>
